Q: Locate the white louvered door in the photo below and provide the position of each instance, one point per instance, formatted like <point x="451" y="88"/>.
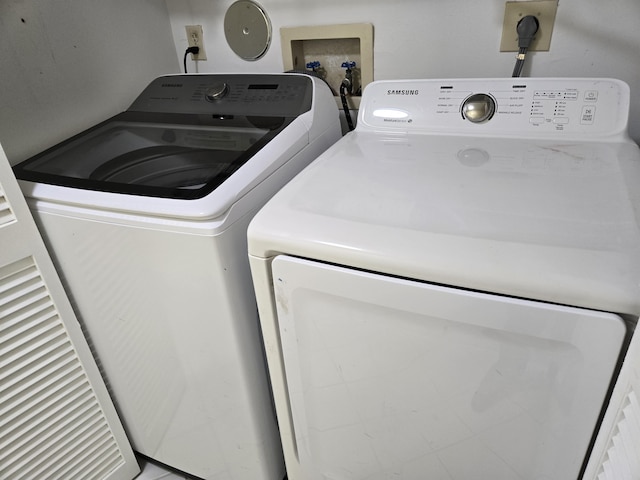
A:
<point x="56" y="418"/>
<point x="616" y="454"/>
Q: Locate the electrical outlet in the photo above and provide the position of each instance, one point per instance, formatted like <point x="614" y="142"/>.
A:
<point x="543" y="10"/>
<point x="195" y="38"/>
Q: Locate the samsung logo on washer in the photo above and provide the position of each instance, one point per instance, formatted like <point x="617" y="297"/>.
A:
<point x="172" y="85"/>
<point x="403" y="92"/>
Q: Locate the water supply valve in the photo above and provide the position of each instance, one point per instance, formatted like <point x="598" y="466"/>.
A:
<point x="347" y="82"/>
<point x="315" y="65"/>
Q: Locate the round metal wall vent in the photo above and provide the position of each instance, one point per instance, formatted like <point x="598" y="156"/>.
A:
<point x="247" y="29"/>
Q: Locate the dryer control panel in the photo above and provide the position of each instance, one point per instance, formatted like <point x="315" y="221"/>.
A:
<point x="514" y="106"/>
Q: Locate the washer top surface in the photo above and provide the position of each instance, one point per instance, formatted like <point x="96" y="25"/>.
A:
<point x="551" y="215"/>
<point x="189" y="145"/>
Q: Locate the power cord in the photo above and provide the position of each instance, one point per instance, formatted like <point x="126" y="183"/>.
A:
<point x="194" y="50"/>
<point x="527" y="28"/>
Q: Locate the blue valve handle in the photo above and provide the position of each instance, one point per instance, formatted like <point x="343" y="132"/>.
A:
<point x="348" y="65"/>
<point x="313" y="65"/>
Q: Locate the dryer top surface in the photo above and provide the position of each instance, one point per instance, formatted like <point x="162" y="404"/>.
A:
<point x="536" y="218"/>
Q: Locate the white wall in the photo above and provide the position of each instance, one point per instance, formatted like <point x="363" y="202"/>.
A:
<point x="68" y="64"/>
<point x="441" y="38"/>
<point x="72" y="63"/>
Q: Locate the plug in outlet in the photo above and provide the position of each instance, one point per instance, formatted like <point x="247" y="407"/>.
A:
<point x="195" y="38"/>
<point x="543" y="10"/>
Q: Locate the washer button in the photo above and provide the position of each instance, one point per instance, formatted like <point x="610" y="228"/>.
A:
<point x="216" y="91"/>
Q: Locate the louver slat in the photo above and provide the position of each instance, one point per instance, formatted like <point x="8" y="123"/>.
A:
<point x="6" y="214"/>
<point x="622" y="460"/>
<point x="51" y="424"/>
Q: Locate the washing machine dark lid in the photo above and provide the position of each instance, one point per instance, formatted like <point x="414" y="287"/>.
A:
<point x="154" y="154"/>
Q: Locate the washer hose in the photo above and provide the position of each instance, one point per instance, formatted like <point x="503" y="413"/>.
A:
<point x="343" y="96"/>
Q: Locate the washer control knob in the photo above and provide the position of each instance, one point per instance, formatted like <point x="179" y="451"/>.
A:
<point x="478" y="108"/>
<point x="216" y="91"/>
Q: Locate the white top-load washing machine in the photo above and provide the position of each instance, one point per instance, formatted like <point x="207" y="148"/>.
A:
<point x="145" y="216"/>
<point x="447" y="291"/>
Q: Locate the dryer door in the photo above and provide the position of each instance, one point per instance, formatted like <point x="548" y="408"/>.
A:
<point x="389" y="377"/>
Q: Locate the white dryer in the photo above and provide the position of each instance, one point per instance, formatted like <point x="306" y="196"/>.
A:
<point x="447" y="291"/>
<point x="145" y="216"/>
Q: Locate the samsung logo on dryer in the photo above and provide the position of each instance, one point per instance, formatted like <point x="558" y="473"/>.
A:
<point x="403" y="92"/>
<point x="171" y="85"/>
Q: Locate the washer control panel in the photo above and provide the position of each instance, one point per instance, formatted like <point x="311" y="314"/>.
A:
<point x="513" y="106"/>
<point x="226" y="95"/>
